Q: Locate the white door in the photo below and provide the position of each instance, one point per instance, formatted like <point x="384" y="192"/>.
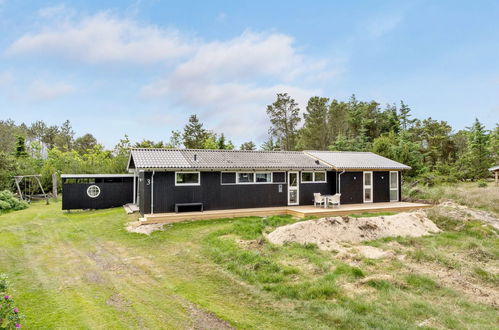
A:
<point x="368" y="187"/>
<point x="293" y="189"/>
<point x="394" y="186"/>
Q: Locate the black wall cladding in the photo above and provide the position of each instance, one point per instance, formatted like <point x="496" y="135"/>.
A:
<point x="74" y="195"/>
<point x="217" y="196"/>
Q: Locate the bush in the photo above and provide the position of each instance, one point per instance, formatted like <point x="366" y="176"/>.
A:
<point x="8" y="201"/>
<point x="482" y="184"/>
<point x="10" y="318"/>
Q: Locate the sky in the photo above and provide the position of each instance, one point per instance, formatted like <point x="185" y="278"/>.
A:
<point x="142" y="67"/>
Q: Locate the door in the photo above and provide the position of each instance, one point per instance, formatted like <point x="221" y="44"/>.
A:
<point x="368" y="187"/>
<point x="394" y="186"/>
<point x="293" y="189"/>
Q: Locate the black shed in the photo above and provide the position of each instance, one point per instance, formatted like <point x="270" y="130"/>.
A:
<point x="96" y="191"/>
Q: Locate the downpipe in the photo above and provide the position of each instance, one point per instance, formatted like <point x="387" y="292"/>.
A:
<point x="339" y="181"/>
<point x="152" y="192"/>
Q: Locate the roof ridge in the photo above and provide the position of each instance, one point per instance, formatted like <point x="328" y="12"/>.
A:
<point x="219" y="150"/>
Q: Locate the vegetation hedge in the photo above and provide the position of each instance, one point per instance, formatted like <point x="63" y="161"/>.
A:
<point x="8" y="201"/>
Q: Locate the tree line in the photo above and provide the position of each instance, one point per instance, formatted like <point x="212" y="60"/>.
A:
<point x="432" y="148"/>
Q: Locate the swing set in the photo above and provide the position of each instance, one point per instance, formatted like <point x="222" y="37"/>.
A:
<point x="29" y="187"/>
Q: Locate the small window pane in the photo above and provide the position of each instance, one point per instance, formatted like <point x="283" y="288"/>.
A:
<point x="245" y="177"/>
<point x="320" y="176"/>
<point x="307" y="177"/>
<point x="367" y="195"/>
<point x="263" y="177"/>
<point x="393" y="179"/>
<point x="367" y="179"/>
<point x="293" y="179"/>
<point x="394" y="195"/>
<point x="293" y="196"/>
<point x="187" y="178"/>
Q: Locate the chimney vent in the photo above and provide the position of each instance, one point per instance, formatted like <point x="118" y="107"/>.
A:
<point x="195" y="157"/>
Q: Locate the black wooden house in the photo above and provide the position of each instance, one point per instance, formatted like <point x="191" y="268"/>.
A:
<point x="169" y="179"/>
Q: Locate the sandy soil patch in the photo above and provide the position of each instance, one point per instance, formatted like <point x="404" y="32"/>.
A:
<point x="330" y="233"/>
<point x="144" y="229"/>
<point x="204" y="320"/>
<point x="461" y="212"/>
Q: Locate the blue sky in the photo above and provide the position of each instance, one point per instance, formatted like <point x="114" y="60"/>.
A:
<point x="142" y="67"/>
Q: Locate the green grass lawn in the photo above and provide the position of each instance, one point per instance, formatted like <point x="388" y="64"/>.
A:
<point x="83" y="270"/>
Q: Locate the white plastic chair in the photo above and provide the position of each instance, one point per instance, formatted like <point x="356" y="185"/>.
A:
<point x="335" y="200"/>
<point x="318" y="199"/>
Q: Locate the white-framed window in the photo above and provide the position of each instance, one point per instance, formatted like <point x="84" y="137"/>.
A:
<point x="187" y="178"/>
<point x="313" y="177"/>
<point x="245" y="177"/>
<point x="394" y="186"/>
<point x="263" y="177"/>
<point x="253" y="177"/>
<point x="93" y="191"/>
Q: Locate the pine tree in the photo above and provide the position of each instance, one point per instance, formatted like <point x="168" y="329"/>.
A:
<point x="248" y="146"/>
<point x="315" y="133"/>
<point x="284" y="119"/>
<point x="194" y="134"/>
<point x="404" y="115"/>
<point x="269" y="145"/>
<point x="479" y="156"/>
<point x="21" y="147"/>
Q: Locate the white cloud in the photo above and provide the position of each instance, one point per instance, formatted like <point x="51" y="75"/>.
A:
<point x="232" y="81"/>
<point x="101" y="38"/>
<point x="43" y="91"/>
<point x="228" y="81"/>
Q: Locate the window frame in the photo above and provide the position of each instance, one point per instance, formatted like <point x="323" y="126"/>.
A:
<point x="313" y="177"/>
<point x="271" y="177"/>
<point x="390" y="186"/>
<point x="254" y="177"/>
<point x="370" y="186"/>
<point x="188" y="184"/>
<point x="93" y="186"/>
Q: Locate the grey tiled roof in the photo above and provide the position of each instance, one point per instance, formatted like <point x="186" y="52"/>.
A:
<point x="494" y="168"/>
<point x="149" y="158"/>
<point x="356" y="160"/>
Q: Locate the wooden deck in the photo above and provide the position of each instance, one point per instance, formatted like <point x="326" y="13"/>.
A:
<point x="297" y="211"/>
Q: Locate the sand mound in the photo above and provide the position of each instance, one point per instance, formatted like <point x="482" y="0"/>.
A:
<point x="329" y="233"/>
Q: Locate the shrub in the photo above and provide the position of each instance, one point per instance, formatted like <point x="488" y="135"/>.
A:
<point x="8" y="201"/>
<point x="482" y="184"/>
<point x="10" y="318"/>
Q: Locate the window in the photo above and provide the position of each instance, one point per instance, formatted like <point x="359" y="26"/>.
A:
<point x="187" y="179"/>
<point x="263" y="177"/>
<point x="228" y="178"/>
<point x="93" y="191"/>
<point x="394" y="186"/>
<point x="254" y="177"/>
<point x="320" y="176"/>
<point x="308" y="177"/>
<point x="279" y="177"/>
<point x="245" y="177"/>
